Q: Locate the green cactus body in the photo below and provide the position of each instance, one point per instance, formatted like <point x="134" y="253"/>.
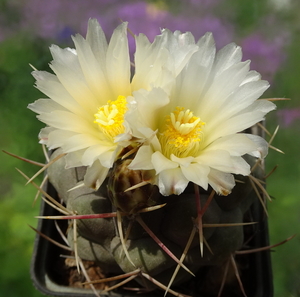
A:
<point x="98" y="239"/>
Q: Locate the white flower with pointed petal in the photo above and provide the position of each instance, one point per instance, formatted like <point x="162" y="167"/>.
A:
<point x="197" y="136"/>
<point x="88" y="92"/>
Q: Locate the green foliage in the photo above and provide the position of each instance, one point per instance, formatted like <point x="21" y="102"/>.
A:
<point x="245" y="16"/>
<point x="18" y="126"/>
<point x="17" y="238"/>
<point x="287" y="80"/>
<point x="283" y="212"/>
<point x="18" y="130"/>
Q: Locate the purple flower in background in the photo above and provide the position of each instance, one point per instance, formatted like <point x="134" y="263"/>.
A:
<point x="50" y="19"/>
<point x="266" y="56"/>
<point x="59" y="19"/>
<point x="223" y="32"/>
<point x="205" y="3"/>
<point x="149" y="19"/>
<point x="143" y="17"/>
<point x="288" y="115"/>
<point x="56" y="18"/>
<point x="64" y="34"/>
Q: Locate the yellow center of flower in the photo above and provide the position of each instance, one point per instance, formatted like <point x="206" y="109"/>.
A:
<point x="110" y="117"/>
<point x="182" y="133"/>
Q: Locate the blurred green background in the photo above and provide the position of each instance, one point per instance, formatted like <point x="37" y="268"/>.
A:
<point x="268" y="31"/>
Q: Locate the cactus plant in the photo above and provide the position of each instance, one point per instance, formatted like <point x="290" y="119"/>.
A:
<point x="99" y="239"/>
<point x="176" y="224"/>
<point x="153" y="191"/>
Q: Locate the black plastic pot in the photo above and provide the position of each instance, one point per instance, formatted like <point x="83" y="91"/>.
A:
<point x="48" y="271"/>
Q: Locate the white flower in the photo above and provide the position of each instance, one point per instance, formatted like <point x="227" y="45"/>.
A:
<point x="88" y="92"/>
<point x="195" y="136"/>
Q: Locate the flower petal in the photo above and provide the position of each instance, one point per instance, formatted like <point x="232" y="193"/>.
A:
<point x="160" y="162"/>
<point x="226" y="57"/>
<point x="73" y="159"/>
<point x="237" y="144"/>
<point x="44" y="134"/>
<point x="57" y="138"/>
<point x="222" y="161"/>
<point x="95" y="175"/>
<point x="262" y="146"/>
<point x="93" y="72"/>
<point x="158" y="63"/>
<point x="219" y="88"/>
<point x="197" y="174"/>
<point x="242" y="98"/>
<point x="221" y="182"/>
<point x="108" y="157"/>
<point x="150" y="64"/>
<point x="148" y="105"/>
<point x="183" y="162"/>
<point x="45" y="106"/>
<point x="67" y="68"/>
<point x="95" y="152"/>
<point x="50" y="86"/>
<point x="240" y="166"/>
<point x="142" y="160"/>
<point x="97" y="41"/>
<point x="192" y="80"/>
<point x="118" y="63"/>
<point x="181" y="47"/>
<point x="67" y="121"/>
<point x="172" y="181"/>
<point x="245" y="119"/>
<point x="78" y="142"/>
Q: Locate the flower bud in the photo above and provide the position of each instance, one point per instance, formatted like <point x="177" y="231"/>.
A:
<point x="121" y="178"/>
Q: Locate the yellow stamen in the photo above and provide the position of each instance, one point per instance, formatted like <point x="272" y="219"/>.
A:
<point x="182" y="134"/>
<point x="110" y="117"/>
